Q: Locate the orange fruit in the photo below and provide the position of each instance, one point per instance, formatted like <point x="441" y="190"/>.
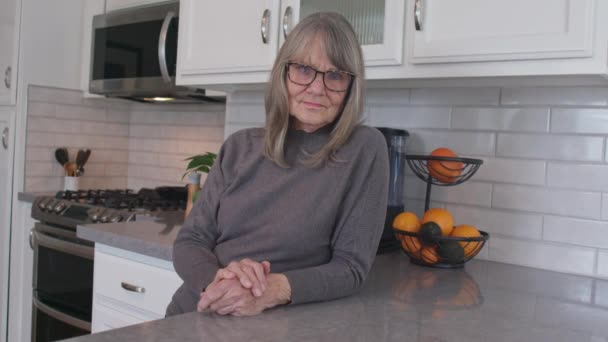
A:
<point x="407" y="221"/>
<point x="429" y="255"/>
<point x="444" y="171"/>
<point x="441" y="217"/>
<point x="465" y="230"/>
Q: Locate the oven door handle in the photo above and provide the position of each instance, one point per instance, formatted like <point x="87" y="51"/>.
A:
<point x="84" y="325"/>
<point x="63" y="246"/>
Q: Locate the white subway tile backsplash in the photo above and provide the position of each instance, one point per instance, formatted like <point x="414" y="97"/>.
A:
<point x="387" y="96"/>
<point x="462" y="143"/>
<point x="581" y="96"/>
<point x="604" y="206"/>
<point x="255" y="114"/>
<point x="516" y="171"/>
<point x="579" y="120"/>
<point x="121" y="135"/>
<point x="602" y="263"/>
<point x="561" y="147"/>
<point x="601" y="293"/>
<point x="501" y="119"/>
<point x="472" y="193"/>
<point x="54" y="95"/>
<point x="578" y="176"/>
<point x="455" y="96"/>
<point x="545" y="255"/>
<point x="544" y="200"/>
<point x="409" y="117"/>
<point x="575" y="231"/>
<point x="508" y="223"/>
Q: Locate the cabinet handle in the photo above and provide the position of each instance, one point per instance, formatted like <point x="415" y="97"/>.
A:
<point x="265" y="26"/>
<point x="133" y="288"/>
<point x="162" y="42"/>
<point x="7" y="77"/>
<point x="287" y="21"/>
<point x="418" y="15"/>
<point x="5" y="138"/>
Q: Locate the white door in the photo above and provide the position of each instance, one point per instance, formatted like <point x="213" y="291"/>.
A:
<point x="227" y="36"/>
<point x="485" y="30"/>
<point x="112" y="5"/>
<point x="6" y="119"/>
<point x="8" y="48"/>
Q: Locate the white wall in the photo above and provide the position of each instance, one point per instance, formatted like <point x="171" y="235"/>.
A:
<point x="542" y="192"/>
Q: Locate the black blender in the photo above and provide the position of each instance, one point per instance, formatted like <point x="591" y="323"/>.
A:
<point x="396" y="141"/>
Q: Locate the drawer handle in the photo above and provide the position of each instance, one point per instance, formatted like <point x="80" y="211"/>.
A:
<point x="418" y="15"/>
<point x="132" y="288"/>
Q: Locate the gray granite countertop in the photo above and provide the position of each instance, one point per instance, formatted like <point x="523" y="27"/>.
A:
<point x="151" y="238"/>
<point x="485" y="301"/>
<point x="30" y="196"/>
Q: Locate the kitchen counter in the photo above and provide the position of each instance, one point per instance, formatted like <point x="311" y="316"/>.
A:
<point x="147" y="237"/>
<point x="485" y="301"/>
<point x="30" y="196"/>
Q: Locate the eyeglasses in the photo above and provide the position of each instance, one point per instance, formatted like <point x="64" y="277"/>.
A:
<point x="334" y="80"/>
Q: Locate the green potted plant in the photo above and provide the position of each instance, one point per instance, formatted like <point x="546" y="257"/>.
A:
<point x="196" y="165"/>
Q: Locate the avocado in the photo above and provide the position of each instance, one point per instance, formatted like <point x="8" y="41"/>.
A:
<point x="428" y="233"/>
<point x="451" y="252"/>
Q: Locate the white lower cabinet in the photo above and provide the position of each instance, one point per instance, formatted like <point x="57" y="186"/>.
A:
<point x="130" y="288"/>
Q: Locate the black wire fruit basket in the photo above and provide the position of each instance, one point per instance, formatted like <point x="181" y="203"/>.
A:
<point x="442" y="171"/>
<point x="441" y="251"/>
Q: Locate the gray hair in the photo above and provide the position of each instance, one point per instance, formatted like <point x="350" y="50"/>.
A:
<point x="344" y="52"/>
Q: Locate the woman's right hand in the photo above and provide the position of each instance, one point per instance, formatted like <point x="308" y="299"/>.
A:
<point x="251" y="274"/>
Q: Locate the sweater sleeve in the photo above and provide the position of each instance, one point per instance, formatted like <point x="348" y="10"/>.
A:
<point x="193" y="256"/>
<point x="355" y="240"/>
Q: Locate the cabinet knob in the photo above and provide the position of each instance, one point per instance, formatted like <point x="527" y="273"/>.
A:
<point x="265" y="26"/>
<point x="287" y="21"/>
<point x="7" y="77"/>
<point x="5" y="138"/>
<point x="418" y="15"/>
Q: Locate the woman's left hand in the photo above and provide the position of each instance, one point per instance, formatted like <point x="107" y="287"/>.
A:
<point x="250" y="273"/>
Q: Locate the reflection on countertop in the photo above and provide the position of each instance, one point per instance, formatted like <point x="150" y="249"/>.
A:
<point x="485" y="301"/>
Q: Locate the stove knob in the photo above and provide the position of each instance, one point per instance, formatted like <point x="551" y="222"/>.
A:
<point x="94" y="214"/>
<point x="59" y="207"/>
<point x="50" y="205"/>
<point x="105" y="217"/>
<point x="116" y="218"/>
<point x="42" y="204"/>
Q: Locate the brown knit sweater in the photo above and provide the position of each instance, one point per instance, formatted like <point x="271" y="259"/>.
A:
<point x="318" y="226"/>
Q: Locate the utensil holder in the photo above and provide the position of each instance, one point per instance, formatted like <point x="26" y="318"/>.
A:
<point x="71" y="183"/>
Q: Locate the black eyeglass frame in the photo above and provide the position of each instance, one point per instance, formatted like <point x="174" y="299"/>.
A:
<point x="320" y="72"/>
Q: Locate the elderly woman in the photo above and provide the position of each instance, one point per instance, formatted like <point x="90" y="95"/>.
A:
<point x="293" y="212"/>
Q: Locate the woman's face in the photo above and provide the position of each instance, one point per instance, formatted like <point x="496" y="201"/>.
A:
<point x="314" y="106"/>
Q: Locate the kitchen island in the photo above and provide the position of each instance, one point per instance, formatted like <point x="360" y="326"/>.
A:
<point x="485" y="301"/>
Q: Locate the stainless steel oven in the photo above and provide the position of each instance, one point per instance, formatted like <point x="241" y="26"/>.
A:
<point x="62" y="284"/>
<point x="63" y="263"/>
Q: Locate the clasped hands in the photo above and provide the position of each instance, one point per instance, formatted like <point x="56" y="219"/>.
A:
<point x="243" y="288"/>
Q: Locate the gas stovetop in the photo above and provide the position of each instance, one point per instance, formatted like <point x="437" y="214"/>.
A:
<point x="70" y="208"/>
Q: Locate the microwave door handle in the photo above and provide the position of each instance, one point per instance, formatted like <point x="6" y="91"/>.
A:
<point x="162" y="42"/>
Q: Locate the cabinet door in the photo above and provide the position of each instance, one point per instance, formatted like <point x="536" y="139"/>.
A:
<point x="8" y="49"/>
<point x="6" y="118"/>
<point x="226" y="36"/>
<point x="485" y="30"/>
<point x="379" y="25"/>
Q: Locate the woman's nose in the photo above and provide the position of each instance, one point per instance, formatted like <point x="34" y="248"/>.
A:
<point x="317" y="86"/>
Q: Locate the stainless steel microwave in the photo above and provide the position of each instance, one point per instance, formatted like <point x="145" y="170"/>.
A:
<point x="134" y="55"/>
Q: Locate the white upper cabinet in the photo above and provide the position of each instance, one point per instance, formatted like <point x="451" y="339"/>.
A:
<point x="227" y="36"/>
<point x="8" y="48"/>
<point x="237" y="41"/>
<point x="112" y="5"/>
<point x="488" y="30"/>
